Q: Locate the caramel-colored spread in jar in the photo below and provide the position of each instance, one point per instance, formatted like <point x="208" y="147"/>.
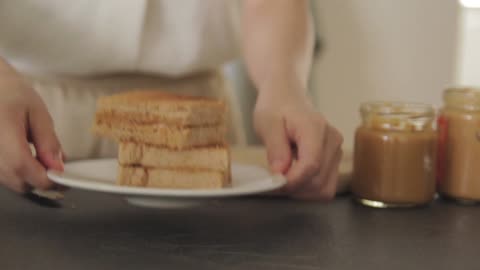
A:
<point x="394" y="156"/>
<point x="459" y="144"/>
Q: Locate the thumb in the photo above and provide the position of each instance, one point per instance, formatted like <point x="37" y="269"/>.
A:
<point x="279" y="154"/>
<point x="42" y="133"/>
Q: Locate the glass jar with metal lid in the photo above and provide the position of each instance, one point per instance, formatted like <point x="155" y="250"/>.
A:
<point x="394" y="155"/>
<point x="459" y="144"/>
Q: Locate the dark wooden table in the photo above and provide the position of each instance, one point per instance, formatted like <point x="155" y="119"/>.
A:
<point x="96" y="231"/>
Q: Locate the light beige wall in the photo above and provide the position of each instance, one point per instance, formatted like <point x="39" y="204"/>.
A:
<point x="469" y="47"/>
<point x="382" y="50"/>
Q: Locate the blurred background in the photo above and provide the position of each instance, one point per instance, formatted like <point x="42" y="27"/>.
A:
<point x="408" y="50"/>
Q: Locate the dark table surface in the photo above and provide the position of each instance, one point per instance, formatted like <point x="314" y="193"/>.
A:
<point x="96" y="231"/>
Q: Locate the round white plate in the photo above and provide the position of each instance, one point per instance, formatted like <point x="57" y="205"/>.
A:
<point x="100" y="175"/>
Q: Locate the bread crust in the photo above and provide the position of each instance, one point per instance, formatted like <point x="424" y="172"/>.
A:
<point x="151" y="106"/>
<point x="211" y="157"/>
<point x="171" y="178"/>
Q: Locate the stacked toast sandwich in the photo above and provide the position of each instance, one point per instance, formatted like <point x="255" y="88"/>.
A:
<point x="166" y="140"/>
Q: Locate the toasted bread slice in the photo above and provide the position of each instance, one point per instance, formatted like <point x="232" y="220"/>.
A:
<point x="154" y="106"/>
<point x="162" y="135"/>
<point x="160" y="118"/>
<point x="211" y="158"/>
<point x="172" y="178"/>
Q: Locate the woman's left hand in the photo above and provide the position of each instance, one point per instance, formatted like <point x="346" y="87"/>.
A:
<point x="300" y="144"/>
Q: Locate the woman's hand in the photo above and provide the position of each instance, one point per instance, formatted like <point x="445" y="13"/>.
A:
<point x="278" y="40"/>
<point x="24" y="118"/>
<point x="300" y="143"/>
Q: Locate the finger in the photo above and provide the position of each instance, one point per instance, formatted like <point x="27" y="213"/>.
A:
<point x="278" y="146"/>
<point x="325" y="194"/>
<point x="30" y="170"/>
<point x="334" y="164"/>
<point x="12" y="120"/>
<point x="64" y="156"/>
<point x="309" y="158"/>
<point x="57" y="186"/>
<point x="21" y="169"/>
<point x="323" y="186"/>
<point x="8" y="177"/>
<point x="14" y="183"/>
<point x="22" y="166"/>
<point x="331" y="155"/>
<point x="42" y="133"/>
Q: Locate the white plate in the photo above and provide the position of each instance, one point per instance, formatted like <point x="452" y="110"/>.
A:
<point x="101" y="174"/>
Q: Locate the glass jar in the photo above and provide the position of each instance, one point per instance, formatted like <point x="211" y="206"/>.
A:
<point x="394" y="155"/>
<point x="459" y="145"/>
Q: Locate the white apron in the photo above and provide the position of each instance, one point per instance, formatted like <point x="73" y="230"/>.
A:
<point x="71" y="102"/>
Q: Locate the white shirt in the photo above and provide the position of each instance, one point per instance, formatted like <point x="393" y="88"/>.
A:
<point x="84" y="37"/>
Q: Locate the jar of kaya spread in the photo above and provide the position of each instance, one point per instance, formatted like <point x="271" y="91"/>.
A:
<point x="394" y="155"/>
<point x="459" y="145"/>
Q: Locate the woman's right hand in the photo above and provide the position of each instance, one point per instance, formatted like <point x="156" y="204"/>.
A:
<point x="24" y="119"/>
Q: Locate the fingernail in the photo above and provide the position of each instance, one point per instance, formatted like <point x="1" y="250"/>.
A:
<point x="59" y="158"/>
